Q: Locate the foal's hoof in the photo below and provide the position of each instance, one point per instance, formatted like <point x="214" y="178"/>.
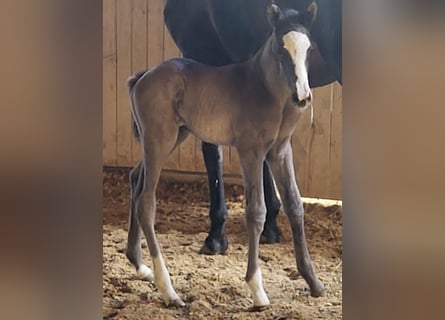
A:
<point x="271" y="234"/>
<point x="317" y="289"/>
<point x="258" y="308"/>
<point x="145" y="273"/>
<point x="177" y="302"/>
<point x="214" y="246"/>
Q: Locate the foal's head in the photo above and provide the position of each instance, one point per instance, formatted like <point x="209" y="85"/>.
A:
<point x="291" y="31"/>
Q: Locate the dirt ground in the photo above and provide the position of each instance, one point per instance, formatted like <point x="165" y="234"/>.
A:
<point x="213" y="287"/>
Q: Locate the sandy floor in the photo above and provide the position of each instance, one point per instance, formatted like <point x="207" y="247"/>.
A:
<point x="213" y="287"/>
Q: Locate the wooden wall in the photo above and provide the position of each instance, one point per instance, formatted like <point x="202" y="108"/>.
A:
<point x="135" y="38"/>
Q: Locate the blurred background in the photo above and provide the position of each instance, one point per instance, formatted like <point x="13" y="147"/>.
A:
<point x="52" y="156"/>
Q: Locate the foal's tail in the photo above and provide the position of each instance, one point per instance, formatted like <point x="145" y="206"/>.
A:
<point x="134" y="78"/>
<point x="131" y="82"/>
<point x="135" y="130"/>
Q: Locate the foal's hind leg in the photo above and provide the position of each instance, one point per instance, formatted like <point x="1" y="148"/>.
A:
<point x="282" y="167"/>
<point x="134" y="253"/>
<point x="216" y="241"/>
<point x="156" y="150"/>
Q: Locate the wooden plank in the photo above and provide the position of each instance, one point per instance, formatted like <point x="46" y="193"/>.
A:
<point x="335" y="151"/>
<point x="227" y="166"/>
<point x="199" y="159"/>
<point x="109" y="83"/>
<point x="124" y="57"/>
<point x="139" y="55"/>
<point x="235" y="166"/>
<point x="318" y="177"/>
<point x="187" y="154"/>
<point x="301" y="150"/>
<point x="155" y="54"/>
<point x="171" y="51"/>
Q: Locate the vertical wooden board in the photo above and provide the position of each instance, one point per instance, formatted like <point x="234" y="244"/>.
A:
<point x="301" y="153"/>
<point x="109" y="83"/>
<point x="199" y="159"/>
<point x="319" y="157"/>
<point x="171" y="51"/>
<point x="139" y="55"/>
<point x="155" y="53"/>
<point x="199" y="165"/>
<point x="226" y="160"/>
<point x="124" y="134"/>
<point x="235" y="167"/>
<point x="335" y="152"/>
<point x="186" y="154"/>
<point x="170" y="48"/>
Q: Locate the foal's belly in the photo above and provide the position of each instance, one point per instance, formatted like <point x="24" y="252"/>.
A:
<point x="233" y="125"/>
<point x="210" y="123"/>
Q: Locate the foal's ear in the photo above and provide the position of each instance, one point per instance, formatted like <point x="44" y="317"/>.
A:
<point x="310" y="15"/>
<point x="273" y="14"/>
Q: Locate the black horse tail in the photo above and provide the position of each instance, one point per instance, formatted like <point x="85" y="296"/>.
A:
<point x="131" y="82"/>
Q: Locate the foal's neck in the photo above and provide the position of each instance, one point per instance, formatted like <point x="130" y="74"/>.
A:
<point x="266" y="62"/>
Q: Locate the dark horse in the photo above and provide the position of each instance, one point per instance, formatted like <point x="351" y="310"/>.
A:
<point x="252" y="106"/>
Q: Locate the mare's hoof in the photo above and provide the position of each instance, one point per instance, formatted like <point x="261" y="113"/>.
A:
<point x="213" y="246"/>
<point x="271" y="235"/>
<point x="317" y="289"/>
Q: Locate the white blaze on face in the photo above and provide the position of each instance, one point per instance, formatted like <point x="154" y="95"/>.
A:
<point x="297" y="44"/>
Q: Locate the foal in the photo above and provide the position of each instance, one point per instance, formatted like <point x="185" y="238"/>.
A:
<point x="252" y="106"/>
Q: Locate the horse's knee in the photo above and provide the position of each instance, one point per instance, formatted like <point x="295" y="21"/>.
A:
<point x="136" y="181"/>
<point x="139" y="204"/>
<point x="256" y="216"/>
<point x="133" y="176"/>
<point x="295" y="211"/>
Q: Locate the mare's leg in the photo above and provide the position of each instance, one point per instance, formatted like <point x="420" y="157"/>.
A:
<point x="252" y="163"/>
<point x="134" y="253"/>
<point x="157" y="147"/>
<point x="216" y="241"/>
<point x="271" y="232"/>
<point x="281" y="163"/>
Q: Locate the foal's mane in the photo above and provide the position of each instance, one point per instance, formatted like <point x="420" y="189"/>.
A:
<point x="290" y="19"/>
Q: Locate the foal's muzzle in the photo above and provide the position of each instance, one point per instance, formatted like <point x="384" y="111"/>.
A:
<point x="301" y="103"/>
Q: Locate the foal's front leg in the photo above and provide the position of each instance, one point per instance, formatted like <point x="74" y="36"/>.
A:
<point x="216" y="242"/>
<point x="252" y="167"/>
<point x="281" y="163"/>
